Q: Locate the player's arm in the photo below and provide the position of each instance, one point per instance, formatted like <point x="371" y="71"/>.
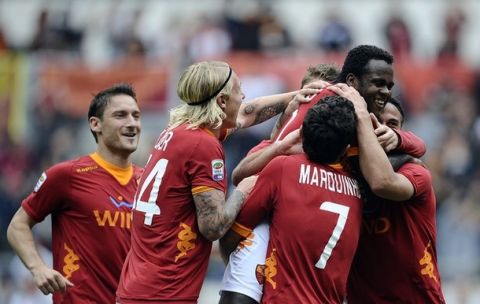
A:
<point x="410" y="143"/>
<point x="263" y="108"/>
<point x="374" y="163"/>
<point x="228" y="243"/>
<point x="255" y="162"/>
<point x="20" y="237"/>
<point x="375" y="166"/>
<point x="214" y="214"/>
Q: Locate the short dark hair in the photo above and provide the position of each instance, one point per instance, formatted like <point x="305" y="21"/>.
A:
<point x="323" y="71"/>
<point x="399" y="107"/>
<point x="329" y="127"/>
<point x="358" y="58"/>
<point x="102" y="99"/>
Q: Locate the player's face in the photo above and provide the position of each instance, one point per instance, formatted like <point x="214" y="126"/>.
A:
<point x="120" y="125"/>
<point x="376" y="85"/>
<point x="233" y="103"/>
<point x="391" y="116"/>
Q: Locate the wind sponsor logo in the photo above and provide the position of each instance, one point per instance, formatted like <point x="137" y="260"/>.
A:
<point x="118" y="218"/>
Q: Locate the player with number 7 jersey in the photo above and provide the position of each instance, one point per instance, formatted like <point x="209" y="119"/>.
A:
<point x="315" y="211"/>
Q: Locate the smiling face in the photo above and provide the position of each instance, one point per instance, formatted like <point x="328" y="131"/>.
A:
<point x="391" y="116"/>
<point x="375" y="85"/>
<point x="118" y="129"/>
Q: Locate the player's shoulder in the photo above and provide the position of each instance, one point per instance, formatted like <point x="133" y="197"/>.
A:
<point x="69" y="166"/>
<point x="195" y="135"/>
<point x="288" y="161"/>
<point x="415" y="168"/>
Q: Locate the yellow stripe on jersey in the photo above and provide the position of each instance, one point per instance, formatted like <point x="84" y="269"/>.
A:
<point x="241" y="230"/>
<point x="352" y="151"/>
<point x="200" y="189"/>
<point x="122" y="175"/>
<point x="336" y="166"/>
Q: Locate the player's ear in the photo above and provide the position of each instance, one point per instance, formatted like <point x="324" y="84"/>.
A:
<point x="352" y="80"/>
<point x="95" y="124"/>
<point x="222" y="101"/>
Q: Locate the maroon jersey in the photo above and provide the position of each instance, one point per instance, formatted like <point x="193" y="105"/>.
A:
<point x="408" y="142"/>
<point x="396" y="260"/>
<point x="316" y="214"/>
<point x="169" y="256"/>
<point x="298" y="116"/>
<point x="90" y="202"/>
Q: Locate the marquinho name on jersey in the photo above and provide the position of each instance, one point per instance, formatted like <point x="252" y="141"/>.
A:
<point x="311" y="175"/>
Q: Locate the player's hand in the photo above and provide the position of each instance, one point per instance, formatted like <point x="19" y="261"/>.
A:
<point x="387" y="138"/>
<point x="345" y="91"/>
<point x="317" y="84"/>
<point x="247" y="184"/>
<point x="291" y="144"/>
<point x="49" y="280"/>
<point x="305" y="95"/>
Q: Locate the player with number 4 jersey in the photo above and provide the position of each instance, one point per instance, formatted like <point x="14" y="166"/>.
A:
<point x="184" y="162"/>
<point x="180" y="205"/>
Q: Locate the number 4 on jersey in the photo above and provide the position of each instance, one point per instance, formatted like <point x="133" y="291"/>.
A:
<point x="150" y="207"/>
<point x="342" y="212"/>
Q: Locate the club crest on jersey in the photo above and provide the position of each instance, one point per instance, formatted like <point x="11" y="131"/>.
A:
<point x="40" y="182"/>
<point x="218" y="169"/>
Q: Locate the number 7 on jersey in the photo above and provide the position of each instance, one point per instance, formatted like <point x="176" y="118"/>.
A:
<point x="342" y="212"/>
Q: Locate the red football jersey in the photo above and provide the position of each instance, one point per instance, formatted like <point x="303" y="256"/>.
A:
<point x="298" y="116"/>
<point x="316" y="214"/>
<point x="90" y="202"/>
<point x="396" y="260"/>
<point x="169" y="256"/>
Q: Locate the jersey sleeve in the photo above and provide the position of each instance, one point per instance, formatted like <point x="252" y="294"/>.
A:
<point x="206" y="167"/>
<point x="262" y="145"/>
<point x="261" y="201"/>
<point x="419" y="176"/>
<point x="50" y="192"/>
<point x="410" y="143"/>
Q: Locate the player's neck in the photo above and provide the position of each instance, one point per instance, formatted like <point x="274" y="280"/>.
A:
<point x="214" y="132"/>
<point x="115" y="158"/>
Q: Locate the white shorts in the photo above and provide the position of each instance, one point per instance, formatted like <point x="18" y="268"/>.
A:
<point x="240" y="274"/>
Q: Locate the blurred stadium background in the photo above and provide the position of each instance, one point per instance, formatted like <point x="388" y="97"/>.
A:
<point x="55" y="54"/>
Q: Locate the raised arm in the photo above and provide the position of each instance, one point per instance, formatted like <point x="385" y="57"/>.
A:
<point x="263" y="108"/>
<point x="374" y="163"/>
<point x="214" y="214"/>
<point x="20" y="237"/>
<point x="255" y="162"/>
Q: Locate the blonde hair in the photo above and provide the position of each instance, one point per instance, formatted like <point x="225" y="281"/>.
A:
<point x="198" y="88"/>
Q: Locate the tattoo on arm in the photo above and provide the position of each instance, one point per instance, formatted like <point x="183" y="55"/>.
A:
<point x="249" y="109"/>
<point x="214" y="215"/>
<point x="268" y="112"/>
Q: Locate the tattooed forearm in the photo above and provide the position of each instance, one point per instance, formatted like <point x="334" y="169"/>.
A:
<point x="268" y="112"/>
<point x="214" y="215"/>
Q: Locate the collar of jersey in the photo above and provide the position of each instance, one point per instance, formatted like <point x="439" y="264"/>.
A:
<point x="122" y="175"/>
